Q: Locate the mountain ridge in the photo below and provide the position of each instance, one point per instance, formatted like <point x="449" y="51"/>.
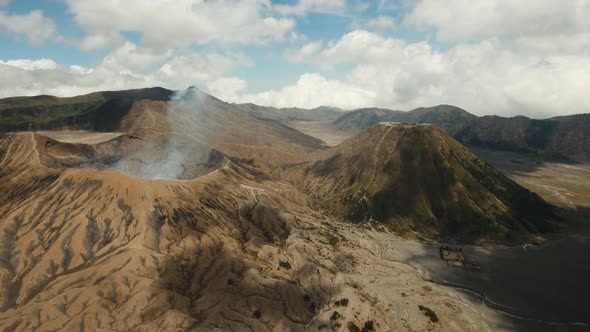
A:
<point x="558" y="137"/>
<point x="418" y="178"/>
<point x="193" y="214"/>
<point x="99" y="111"/>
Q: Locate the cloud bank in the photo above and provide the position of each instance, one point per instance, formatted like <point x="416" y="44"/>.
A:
<point x="488" y="56"/>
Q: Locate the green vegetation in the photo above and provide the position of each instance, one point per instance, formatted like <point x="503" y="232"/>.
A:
<point x="95" y="111"/>
<point x="342" y="302"/>
<point x="417" y="179"/>
<point x="333" y="237"/>
<point x="369" y="326"/>
<point x="285" y="265"/>
<point x="450" y="117"/>
<point x="560" y="138"/>
<point x="257" y="314"/>
<point x="428" y="313"/>
<point x="352" y="327"/>
<point x="335" y="316"/>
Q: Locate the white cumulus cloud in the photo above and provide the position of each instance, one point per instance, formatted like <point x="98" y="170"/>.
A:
<point x="124" y="68"/>
<point x="313" y="90"/>
<point x="34" y="26"/>
<point x="302" y="7"/>
<point x="165" y="24"/>
<point x="502" y="57"/>
<point x="529" y="21"/>
<point x="28" y="64"/>
<point x="483" y="77"/>
<point x="381" y="22"/>
<point x="305" y="52"/>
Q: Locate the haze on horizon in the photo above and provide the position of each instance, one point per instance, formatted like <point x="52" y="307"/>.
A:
<point x="528" y="57"/>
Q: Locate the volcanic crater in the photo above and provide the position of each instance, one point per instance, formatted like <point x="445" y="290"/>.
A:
<point x="157" y="157"/>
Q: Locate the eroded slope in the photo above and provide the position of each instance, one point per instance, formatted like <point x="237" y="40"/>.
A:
<point x="88" y="249"/>
<point x="417" y="178"/>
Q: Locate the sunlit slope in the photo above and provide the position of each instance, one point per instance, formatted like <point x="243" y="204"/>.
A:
<point x="89" y="249"/>
<point x="106" y="250"/>
<point x="192" y="214"/>
<point x="156" y="132"/>
<point x="416" y="177"/>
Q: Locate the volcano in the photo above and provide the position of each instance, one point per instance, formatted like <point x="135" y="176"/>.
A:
<point x="418" y="178"/>
<point x="152" y="210"/>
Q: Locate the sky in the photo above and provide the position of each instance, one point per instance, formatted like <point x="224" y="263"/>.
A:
<point x="504" y="57"/>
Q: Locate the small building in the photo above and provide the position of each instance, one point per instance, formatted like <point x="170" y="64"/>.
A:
<point x="453" y="256"/>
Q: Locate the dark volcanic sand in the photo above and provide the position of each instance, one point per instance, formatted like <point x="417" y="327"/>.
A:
<point x="543" y="288"/>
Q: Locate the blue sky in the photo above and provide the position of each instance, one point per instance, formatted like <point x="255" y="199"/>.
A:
<point x="268" y="71"/>
<point x="482" y="55"/>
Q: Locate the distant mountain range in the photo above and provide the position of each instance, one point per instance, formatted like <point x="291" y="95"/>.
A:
<point x="101" y="111"/>
<point x="561" y="137"/>
<point x="285" y="115"/>
<point x="566" y="137"/>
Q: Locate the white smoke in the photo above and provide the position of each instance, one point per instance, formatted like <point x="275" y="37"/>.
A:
<point x="177" y="152"/>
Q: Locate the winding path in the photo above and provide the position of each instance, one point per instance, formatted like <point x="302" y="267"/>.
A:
<point x="507" y="310"/>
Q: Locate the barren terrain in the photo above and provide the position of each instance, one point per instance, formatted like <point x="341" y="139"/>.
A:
<point x="182" y="218"/>
<point x="83" y="137"/>
<point x="87" y="249"/>
<point x="542" y="287"/>
<point x="322" y="130"/>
